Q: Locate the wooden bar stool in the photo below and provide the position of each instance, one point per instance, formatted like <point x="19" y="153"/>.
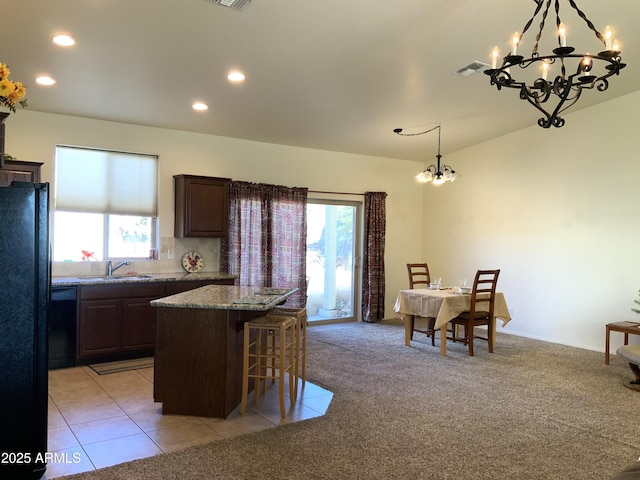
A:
<point x="269" y="353"/>
<point x="300" y="317"/>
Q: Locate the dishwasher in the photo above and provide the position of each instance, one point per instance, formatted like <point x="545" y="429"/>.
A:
<point x="62" y="327"/>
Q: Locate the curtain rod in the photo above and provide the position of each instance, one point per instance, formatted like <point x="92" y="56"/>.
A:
<point x="336" y="193"/>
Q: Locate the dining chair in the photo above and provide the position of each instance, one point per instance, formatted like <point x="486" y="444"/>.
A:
<point x="482" y="301"/>
<point x="418" y="275"/>
<point x="419" y="278"/>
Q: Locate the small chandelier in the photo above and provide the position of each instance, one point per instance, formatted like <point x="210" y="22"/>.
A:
<point x="437" y="174"/>
<point x="565" y="88"/>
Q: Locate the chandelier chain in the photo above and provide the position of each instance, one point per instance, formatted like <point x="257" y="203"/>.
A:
<point x="544" y="16"/>
<point x="588" y="22"/>
<point x="398" y="131"/>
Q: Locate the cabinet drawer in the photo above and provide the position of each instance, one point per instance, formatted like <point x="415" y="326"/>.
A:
<point x="20" y="171"/>
<point x="222" y="281"/>
<point x="122" y="290"/>
<point x="178" y="287"/>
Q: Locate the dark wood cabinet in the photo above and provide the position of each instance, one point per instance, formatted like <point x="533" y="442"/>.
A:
<point x="138" y="324"/>
<point x="99" y="334"/>
<point x="186" y="285"/>
<point x="178" y="287"/>
<point x="117" y="321"/>
<point x="20" y="171"/>
<point x="201" y="206"/>
<point x="228" y="281"/>
<point x="198" y="362"/>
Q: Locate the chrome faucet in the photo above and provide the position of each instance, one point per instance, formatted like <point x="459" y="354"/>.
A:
<point x="111" y="268"/>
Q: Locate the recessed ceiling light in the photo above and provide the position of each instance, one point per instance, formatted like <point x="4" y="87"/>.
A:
<point x="64" y="40"/>
<point x="45" y="80"/>
<point x="199" y="106"/>
<point x="235" y="76"/>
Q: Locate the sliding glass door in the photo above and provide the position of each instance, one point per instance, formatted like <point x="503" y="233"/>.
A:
<point x="332" y="260"/>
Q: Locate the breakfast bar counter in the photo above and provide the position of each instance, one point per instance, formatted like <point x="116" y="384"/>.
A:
<point x="198" y="354"/>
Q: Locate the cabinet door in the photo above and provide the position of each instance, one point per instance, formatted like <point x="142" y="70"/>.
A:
<point x="20" y="171"/>
<point x="201" y="206"/>
<point x="138" y="324"/>
<point x="99" y="328"/>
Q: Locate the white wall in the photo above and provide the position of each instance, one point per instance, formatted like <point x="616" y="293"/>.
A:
<point x="558" y="211"/>
<point x="32" y="136"/>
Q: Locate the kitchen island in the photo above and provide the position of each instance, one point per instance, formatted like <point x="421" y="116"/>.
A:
<point x="199" y="344"/>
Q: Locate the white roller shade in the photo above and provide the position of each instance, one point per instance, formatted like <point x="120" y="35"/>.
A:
<point x="101" y="181"/>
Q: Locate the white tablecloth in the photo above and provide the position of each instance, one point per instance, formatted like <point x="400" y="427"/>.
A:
<point x="443" y="305"/>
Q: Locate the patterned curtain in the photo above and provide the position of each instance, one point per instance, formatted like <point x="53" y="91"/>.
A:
<point x="373" y="269"/>
<point x="267" y="244"/>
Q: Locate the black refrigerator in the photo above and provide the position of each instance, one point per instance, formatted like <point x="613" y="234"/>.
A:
<point x="25" y="273"/>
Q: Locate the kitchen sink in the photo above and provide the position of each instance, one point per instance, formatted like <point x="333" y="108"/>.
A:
<point x="114" y="277"/>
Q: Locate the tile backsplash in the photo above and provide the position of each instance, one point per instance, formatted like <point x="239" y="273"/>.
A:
<point x="169" y="259"/>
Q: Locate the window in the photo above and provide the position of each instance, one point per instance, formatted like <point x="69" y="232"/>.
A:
<point x="105" y="204"/>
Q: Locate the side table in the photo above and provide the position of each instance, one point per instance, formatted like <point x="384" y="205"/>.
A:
<point x="627" y="328"/>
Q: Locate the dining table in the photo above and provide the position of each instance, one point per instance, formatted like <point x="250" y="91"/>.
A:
<point x="444" y="304"/>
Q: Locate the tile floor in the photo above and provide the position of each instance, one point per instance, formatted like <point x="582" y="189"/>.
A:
<point x="96" y="421"/>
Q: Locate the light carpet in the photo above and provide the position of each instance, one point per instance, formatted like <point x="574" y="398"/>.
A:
<point x="531" y="410"/>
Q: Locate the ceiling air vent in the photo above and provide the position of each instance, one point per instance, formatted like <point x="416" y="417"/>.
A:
<point x="473" y="67"/>
<point x="235" y="4"/>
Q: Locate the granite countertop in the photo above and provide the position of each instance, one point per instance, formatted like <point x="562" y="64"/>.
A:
<point x="138" y="278"/>
<point x="227" y="297"/>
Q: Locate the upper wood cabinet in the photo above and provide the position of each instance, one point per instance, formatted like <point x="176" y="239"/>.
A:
<point x="201" y="206"/>
<point x="20" y="171"/>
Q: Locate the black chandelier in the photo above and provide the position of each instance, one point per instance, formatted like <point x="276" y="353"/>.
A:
<point x="564" y="88"/>
<point x="437" y="174"/>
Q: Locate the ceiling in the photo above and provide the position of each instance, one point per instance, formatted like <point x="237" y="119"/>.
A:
<point x="324" y="74"/>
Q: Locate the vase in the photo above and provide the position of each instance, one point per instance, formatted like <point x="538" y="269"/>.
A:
<point x="3" y="117"/>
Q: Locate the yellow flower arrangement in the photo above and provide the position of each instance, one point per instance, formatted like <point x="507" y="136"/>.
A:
<point x="11" y="92"/>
